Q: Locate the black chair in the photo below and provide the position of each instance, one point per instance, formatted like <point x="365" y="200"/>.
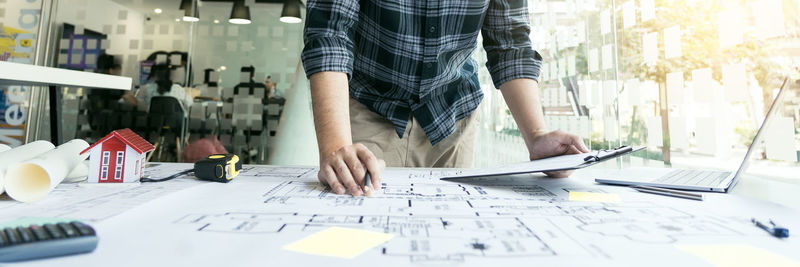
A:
<point x="166" y="117"/>
<point x="253" y="89"/>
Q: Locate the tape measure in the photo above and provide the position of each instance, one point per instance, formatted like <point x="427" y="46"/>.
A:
<point x="218" y="168"/>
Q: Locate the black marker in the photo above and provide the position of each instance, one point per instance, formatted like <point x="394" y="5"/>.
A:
<point x="774" y="230"/>
<point x="367" y="182"/>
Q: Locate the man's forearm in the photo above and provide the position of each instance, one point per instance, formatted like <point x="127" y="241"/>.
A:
<point x="522" y="98"/>
<point x="330" y="100"/>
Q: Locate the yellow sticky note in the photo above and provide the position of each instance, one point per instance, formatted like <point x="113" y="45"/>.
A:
<point x="339" y="242"/>
<point x="594" y="197"/>
<point x="735" y="255"/>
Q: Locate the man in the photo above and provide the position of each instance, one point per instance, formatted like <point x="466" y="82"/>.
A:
<point x="270" y="86"/>
<point x="394" y="81"/>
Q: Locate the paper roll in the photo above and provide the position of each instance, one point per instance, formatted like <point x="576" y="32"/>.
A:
<point x="20" y="154"/>
<point x="4" y="147"/>
<point x="80" y="173"/>
<point x="33" y="179"/>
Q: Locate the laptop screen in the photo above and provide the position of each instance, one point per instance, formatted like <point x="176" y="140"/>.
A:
<point x="770" y="116"/>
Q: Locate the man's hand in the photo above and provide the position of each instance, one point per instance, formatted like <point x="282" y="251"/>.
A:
<point x="555" y="143"/>
<point x="522" y="97"/>
<point x="341" y="163"/>
<point x="343" y="170"/>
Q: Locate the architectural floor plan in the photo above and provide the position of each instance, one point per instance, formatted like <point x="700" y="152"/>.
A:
<point x="510" y="220"/>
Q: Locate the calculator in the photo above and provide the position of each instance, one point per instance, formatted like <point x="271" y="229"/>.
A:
<point x="47" y="240"/>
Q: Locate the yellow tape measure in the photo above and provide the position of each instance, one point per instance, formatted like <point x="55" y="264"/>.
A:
<point x="218" y="168"/>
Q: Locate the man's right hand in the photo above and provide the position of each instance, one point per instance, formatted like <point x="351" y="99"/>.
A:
<point x="341" y="163"/>
<point x="344" y="170"/>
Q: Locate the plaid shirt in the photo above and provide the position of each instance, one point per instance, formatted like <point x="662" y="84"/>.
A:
<point x="413" y="57"/>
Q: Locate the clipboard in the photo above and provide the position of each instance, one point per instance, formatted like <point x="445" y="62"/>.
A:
<point x="552" y="164"/>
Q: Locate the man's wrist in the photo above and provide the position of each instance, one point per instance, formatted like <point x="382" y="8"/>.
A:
<point x="328" y="148"/>
<point x="533" y="134"/>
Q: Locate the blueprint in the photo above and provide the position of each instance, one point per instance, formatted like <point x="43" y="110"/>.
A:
<point x="514" y="220"/>
<point x="96" y="202"/>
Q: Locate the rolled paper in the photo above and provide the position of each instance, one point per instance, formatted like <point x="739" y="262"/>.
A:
<point x="78" y="174"/>
<point x="20" y="154"/>
<point x="4" y="147"/>
<point x="33" y="179"/>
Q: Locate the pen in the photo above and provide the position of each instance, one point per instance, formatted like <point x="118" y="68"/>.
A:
<point x="774" y="230"/>
<point x="367" y="182"/>
<point x="668" y="192"/>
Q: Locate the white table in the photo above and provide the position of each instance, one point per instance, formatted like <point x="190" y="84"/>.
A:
<point x="518" y="220"/>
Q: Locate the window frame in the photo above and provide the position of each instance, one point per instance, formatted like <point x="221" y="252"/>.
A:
<point x="104" y="172"/>
<point x="118" y="173"/>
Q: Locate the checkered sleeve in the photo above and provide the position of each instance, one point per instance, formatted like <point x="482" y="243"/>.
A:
<point x="506" y="31"/>
<point x="328" y="36"/>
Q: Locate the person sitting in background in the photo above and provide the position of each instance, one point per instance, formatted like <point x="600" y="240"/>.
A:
<point x="108" y="64"/>
<point x="270" y="87"/>
<point x="178" y="69"/>
<point x="160" y="84"/>
<point x="105" y="100"/>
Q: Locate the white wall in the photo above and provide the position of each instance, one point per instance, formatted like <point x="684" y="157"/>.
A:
<point x="163" y="33"/>
<point x="271" y="46"/>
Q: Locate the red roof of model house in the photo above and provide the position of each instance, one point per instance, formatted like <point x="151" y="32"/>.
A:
<point x="128" y="137"/>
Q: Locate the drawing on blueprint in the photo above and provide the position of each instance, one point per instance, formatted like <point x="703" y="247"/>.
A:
<point x="444" y="222"/>
<point x="93" y="203"/>
<point x="277" y="171"/>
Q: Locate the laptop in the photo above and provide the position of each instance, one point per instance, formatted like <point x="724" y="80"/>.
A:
<point x="696" y="180"/>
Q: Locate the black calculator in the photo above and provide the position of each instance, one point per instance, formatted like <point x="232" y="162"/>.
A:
<point x="47" y="240"/>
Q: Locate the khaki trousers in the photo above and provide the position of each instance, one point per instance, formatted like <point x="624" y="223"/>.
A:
<point x="413" y="150"/>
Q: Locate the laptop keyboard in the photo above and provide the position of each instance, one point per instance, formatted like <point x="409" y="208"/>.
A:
<point x="693" y="177"/>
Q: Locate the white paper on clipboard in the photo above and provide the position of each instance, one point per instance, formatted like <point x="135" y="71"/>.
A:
<point x="558" y="163"/>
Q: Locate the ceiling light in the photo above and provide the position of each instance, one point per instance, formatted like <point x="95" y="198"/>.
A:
<point x="239" y="21"/>
<point x="158" y="11"/>
<point x="216" y="21"/>
<point x="177" y="20"/>
<point x="191" y="16"/>
<point x="291" y="12"/>
<point x="240" y="14"/>
<point x="185" y="4"/>
<point x="190" y="12"/>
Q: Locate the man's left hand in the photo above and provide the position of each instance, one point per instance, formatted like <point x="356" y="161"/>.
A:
<point x="549" y="144"/>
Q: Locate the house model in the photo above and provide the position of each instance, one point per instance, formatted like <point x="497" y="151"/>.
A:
<point x="117" y="158"/>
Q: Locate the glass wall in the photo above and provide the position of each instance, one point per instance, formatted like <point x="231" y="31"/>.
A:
<point x="116" y="38"/>
<point x="208" y="60"/>
<point x="252" y="66"/>
<point x="691" y="80"/>
<point x="19" y="40"/>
